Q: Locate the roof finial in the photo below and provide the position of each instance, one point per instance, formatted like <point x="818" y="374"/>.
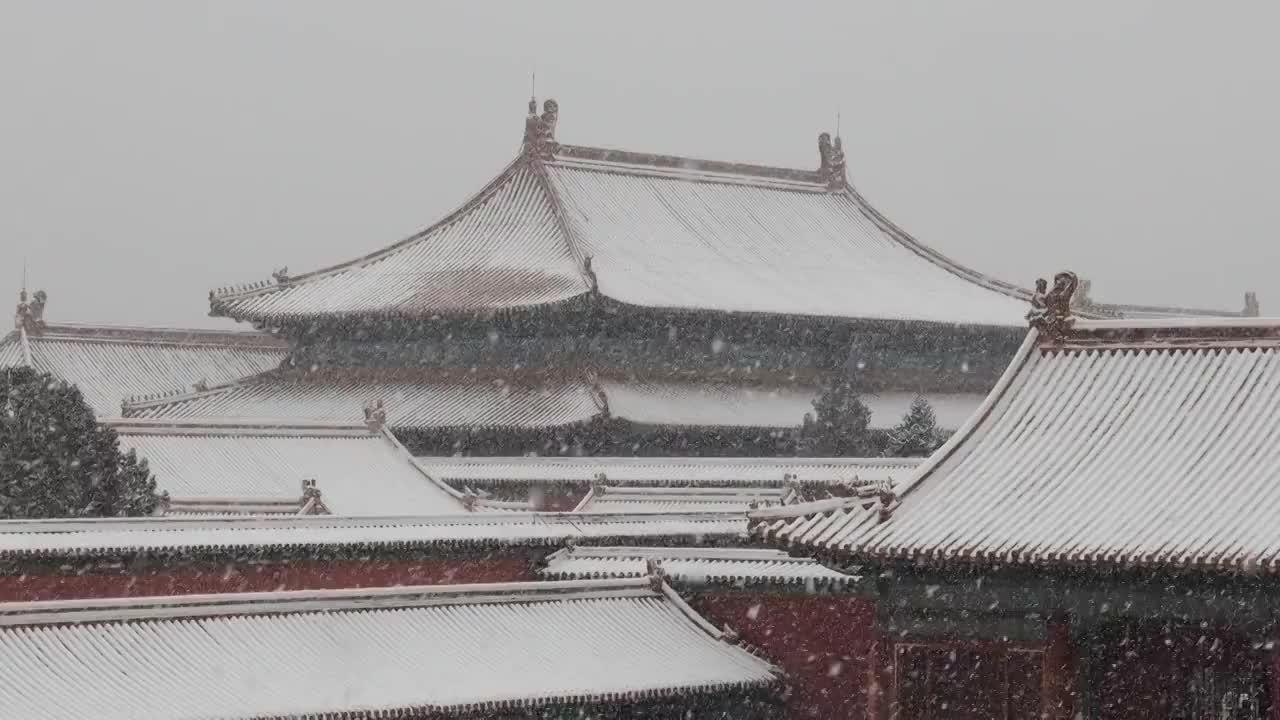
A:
<point x="30" y="315"/>
<point x="375" y="415"/>
<point x="1051" y="308"/>
<point x="540" y="130"/>
<point x="1251" y="306"/>
<point x="831" y="159"/>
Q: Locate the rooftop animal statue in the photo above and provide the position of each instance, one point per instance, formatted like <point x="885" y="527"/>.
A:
<point x="1051" y="309"/>
<point x="540" y="130"/>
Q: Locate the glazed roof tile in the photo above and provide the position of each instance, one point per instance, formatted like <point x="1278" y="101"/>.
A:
<point x="686" y="567"/>
<point x="358" y="471"/>
<point x="110" y="363"/>
<point x="440" y="399"/>
<point x="1140" y="443"/>
<point x="362" y="653"/>
<point x="647" y="231"/>
<point x="484" y="472"/>
<point x="648" y="499"/>
<point x="314" y="534"/>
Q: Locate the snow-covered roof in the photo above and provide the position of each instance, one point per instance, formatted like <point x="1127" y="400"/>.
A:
<point x="648" y="499"/>
<point x="322" y="534"/>
<point x="356" y="470"/>
<point x="646" y="231"/>
<point x="486" y="472"/>
<point x="1142" y="443"/>
<point x="393" y="652"/>
<point x="693" y="567"/>
<point x="427" y="399"/>
<point x="111" y="363"/>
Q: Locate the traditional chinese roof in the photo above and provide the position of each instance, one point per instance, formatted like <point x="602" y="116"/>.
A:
<point x="213" y="466"/>
<point x="695" y="567"/>
<point x="110" y="363"/>
<point x="393" y="652"/>
<point x="317" y="535"/>
<point x="570" y="224"/>
<point x="1141" y="443"/>
<point x="491" y="472"/>
<point x="647" y="499"/>
<point x="428" y="399"/>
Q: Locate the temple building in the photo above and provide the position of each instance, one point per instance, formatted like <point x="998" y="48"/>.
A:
<point x="1099" y="540"/>
<point x="447" y="479"/>
<point x="606" y="302"/>
<point x="627" y="648"/>
<point x="562" y="483"/>
<point x="110" y="363"/>
<point x="269" y="467"/>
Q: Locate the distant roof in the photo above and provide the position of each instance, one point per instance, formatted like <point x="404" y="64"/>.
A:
<point x="647" y="231"/>
<point x="327" y="534"/>
<point x="110" y="363"/>
<point x="641" y="499"/>
<point x="426" y="399"/>
<point x="420" y="651"/>
<point x="485" y="472"/>
<point x="695" y="566"/>
<point x="1139" y="443"/>
<point x="354" y="470"/>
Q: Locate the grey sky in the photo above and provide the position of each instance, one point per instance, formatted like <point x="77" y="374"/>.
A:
<point x="152" y="150"/>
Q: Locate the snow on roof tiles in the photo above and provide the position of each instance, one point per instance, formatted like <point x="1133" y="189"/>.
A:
<point x="109" y="364"/>
<point x="1139" y="442"/>
<point x="413" y="400"/>
<point x="440" y="399"/>
<point x="662" y="472"/>
<point x="624" y="499"/>
<point x="664" y="239"/>
<point x="356" y="470"/>
<point x="668" y="233"/>
<point x="503" y="250"/>
<point x="323" y="533"/>
<point x="694" y="566"/>
<point x="348" y="653"/>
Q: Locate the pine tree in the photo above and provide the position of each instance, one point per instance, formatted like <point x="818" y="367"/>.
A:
<point x="55" y="461"/>
<point x="917" y="435"/>
<point x="839" y="425"/>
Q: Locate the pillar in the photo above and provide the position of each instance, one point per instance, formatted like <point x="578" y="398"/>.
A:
<point x="880" y="678"/>
<point x="1273" y="677"/>
<point x="1057" y="677"/>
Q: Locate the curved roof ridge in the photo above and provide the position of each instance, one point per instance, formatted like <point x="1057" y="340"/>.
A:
<point x="492" y="187"/>
<point x="286" y="601"/>
<point x="216" y="425"/>
<point x="571" y="240"/>
<point x="137" y="403"/>
<point x="98" y="332"/>
<point x="896" y="232"/>
<point x="635" y="159"/>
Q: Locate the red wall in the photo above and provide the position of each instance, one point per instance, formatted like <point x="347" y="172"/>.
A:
<point x="1146" y="669"/>
<point x="821" y="641"/>
<point x="295" y="575"/>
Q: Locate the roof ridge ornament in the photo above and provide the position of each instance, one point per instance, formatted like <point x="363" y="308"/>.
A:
<point x="29" y="316"/>
<point x="1051" y="308"/>
<point x="540" y="130"/>
<point x="831" y="165"/>
<point x="656" y="573"/>
<point x="1251" y="306"/>
<point x="375" y="415"/>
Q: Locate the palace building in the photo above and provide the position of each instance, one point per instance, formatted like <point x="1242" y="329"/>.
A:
<point x="609" y="302"/>
<point x="1097" y="541"/>
<point x="452" y="478"/>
